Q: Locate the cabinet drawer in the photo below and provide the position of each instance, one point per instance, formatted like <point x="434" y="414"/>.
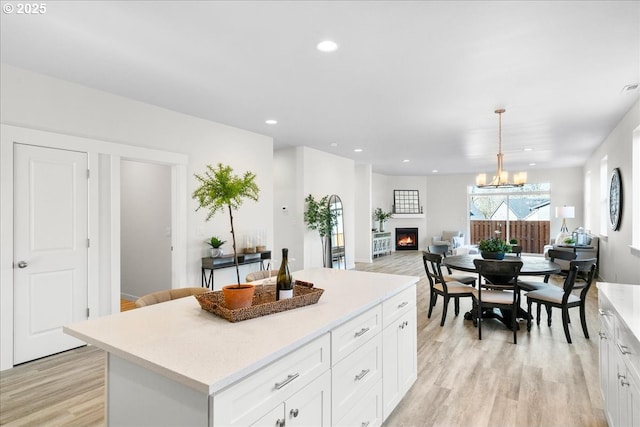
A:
<point x="367" y="412"/>
<point x="355" y="375"/>
<point x="398" y="305"/>
<point x="249" y="399"/>
<point x="607" y="315"/>
<point x="351" y="335"/>
<point x="630" y="349"/>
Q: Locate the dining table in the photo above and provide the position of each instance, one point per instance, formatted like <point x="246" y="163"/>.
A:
<point x="531" y="266"/>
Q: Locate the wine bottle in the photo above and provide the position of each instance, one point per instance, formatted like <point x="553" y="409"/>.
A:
<point x="284" y="282"/>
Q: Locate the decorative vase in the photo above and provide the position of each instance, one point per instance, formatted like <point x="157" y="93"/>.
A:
<point x="492" y="255"/>
<point x="216" y="252"/>
<point x="238" y="296"/>
<point x="381" y="226"/>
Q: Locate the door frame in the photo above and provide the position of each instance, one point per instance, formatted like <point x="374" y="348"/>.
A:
<point x="104" y="190"/>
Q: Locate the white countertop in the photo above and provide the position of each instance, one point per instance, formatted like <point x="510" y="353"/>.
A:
<point x="626" y="301"/>
<point x="196" y="348"/>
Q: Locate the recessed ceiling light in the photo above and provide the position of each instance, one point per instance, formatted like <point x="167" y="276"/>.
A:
<point x="406" y="161"/>
<point x="434" y="171"/>
<point x="528" y="149"/>
<point x="271" y="122"/>
<point x="532" y="164"/>
<point x="327" y="46"/>
<point x="629" y="88"/>
<point x="358" y="150"/>
<point x="334" y="144"/>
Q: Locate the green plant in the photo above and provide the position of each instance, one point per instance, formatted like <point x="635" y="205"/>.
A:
<point x="319" y="217"/>
<point x="215" y="242"/>
<point x="381" y="215"/>
<point x="513" y="241"/>
<point x="494" y="245"/>
<point x="220" y="189"/>
<point x="569" y="241"/>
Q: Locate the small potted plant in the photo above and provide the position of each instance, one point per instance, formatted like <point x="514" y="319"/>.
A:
<point x="220" y="189"/>
<point x="493" y="248"/>
<point x="215" y="244"/>
<point x="381" y="216"/>
<point x="513" y="241"/>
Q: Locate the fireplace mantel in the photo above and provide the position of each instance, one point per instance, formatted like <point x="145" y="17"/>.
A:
<point x="407" y="216"/>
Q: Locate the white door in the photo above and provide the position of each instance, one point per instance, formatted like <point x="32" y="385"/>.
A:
<point x="50" y="249"/>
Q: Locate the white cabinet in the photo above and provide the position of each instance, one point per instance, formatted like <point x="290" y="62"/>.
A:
<point x="252" y="400"/>
<point x="619" y="368"/>
<point x="310" y="406"/>
<point x="381" y="243"/>
<point x="399" y="361"/>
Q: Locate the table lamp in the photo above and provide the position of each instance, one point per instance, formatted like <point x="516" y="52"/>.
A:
<point x="565" y="212"/>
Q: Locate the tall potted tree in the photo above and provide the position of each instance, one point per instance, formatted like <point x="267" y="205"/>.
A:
<point x="219" y="189"/>
<point x="318" y="217"/>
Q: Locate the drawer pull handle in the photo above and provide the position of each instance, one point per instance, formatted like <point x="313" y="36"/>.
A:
<point x="602" y="335"/>
<point x="361" y="374"/>
<point x="280" y="422"/>
<point x="294" y="412"/>
<point x="624" y="382"/>
<point x="404" y="304"/>
<point x="404" y="324"/>
<point x="603" y="313"/>
<point x="361" y="332"/>
<point x="365" y="424"/>
<point x="620" y="376"/>
<point x="287" y="381"/>
<point x="624" y="349"/>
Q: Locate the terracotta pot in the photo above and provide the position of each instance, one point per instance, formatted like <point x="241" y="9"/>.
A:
<point x="238" y="296"/>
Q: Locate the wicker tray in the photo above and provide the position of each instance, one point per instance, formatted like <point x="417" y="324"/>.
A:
<point x="264" y="302"/>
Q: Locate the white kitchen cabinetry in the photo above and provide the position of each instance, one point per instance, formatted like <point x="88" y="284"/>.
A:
<point x="317" y="365"/>
<point x="399" y="361"/>
<point x="619" y="354"/>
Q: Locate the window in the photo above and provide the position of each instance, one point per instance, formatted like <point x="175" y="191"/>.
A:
<point x="587" y="201"/>
<point x="521" y="213"/>
<point x="604" y="196"/>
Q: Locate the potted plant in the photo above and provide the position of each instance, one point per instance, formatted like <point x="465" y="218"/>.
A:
<point x="494" y="248"/>
<point x="215" y="244"/>
<point x="513" y="241"/>
<point x="318" y="216"/>
<point x="219" y="189"/>
<point x="381" y="216"/>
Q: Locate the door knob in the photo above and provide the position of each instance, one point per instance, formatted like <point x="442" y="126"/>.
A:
<point x="22" y="264"/>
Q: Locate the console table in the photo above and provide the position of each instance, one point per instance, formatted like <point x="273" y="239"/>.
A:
<point x="226" y="261"/>
<point x="381" y="243"/>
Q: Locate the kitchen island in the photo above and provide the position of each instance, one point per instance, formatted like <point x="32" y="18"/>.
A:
<point x="348" y="359"/>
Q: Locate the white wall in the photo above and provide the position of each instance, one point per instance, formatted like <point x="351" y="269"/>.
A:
<point x="114" y="127"/>
<point x="145" y="218"/>
<point x="618" y="261"/>
<point x="364" y="222"/>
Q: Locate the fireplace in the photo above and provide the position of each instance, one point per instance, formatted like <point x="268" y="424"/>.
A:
<point x="406" y="239"/>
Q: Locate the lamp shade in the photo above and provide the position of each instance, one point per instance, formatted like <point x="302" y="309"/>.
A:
<point x="565" y="212"/>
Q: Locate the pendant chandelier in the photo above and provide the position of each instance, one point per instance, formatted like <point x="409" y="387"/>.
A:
<point x="501" y="178"/>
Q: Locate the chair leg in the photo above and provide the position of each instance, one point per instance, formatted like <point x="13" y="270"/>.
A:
<point x="432" y="302"/>
<point x="444" y="309"/>
<point x="565" y="323"/>
<point x="528" y="315"/>
<point x="456" y="302"/>
<point x="583" y="320"/>
<point x="479" y="320"/>
<point x="538" y="314"/>
<point x="548" y="307"/>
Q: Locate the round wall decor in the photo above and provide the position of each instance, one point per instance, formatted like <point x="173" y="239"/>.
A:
<point x="615" y="199"/>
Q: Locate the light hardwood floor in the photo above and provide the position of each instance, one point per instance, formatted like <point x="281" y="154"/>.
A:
<point x="541" y="381"/>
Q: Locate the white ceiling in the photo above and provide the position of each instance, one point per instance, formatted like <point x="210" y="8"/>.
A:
<point x="410" y="80"/>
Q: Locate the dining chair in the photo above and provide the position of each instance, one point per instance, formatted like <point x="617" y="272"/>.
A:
<point x="468" y="279"/>
<point x="501" y="291"/>
<point x="168" y="295"/>
<point x="261" y="274"/>
<point x="563" y="298"/>
<point x="438" y="285"/>
<point x="532" y="285"/>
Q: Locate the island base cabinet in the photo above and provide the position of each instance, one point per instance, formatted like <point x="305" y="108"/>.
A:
<point x="311" y="406"/>
<point x="139" y="397"/>
<point x="367" y="412"/>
